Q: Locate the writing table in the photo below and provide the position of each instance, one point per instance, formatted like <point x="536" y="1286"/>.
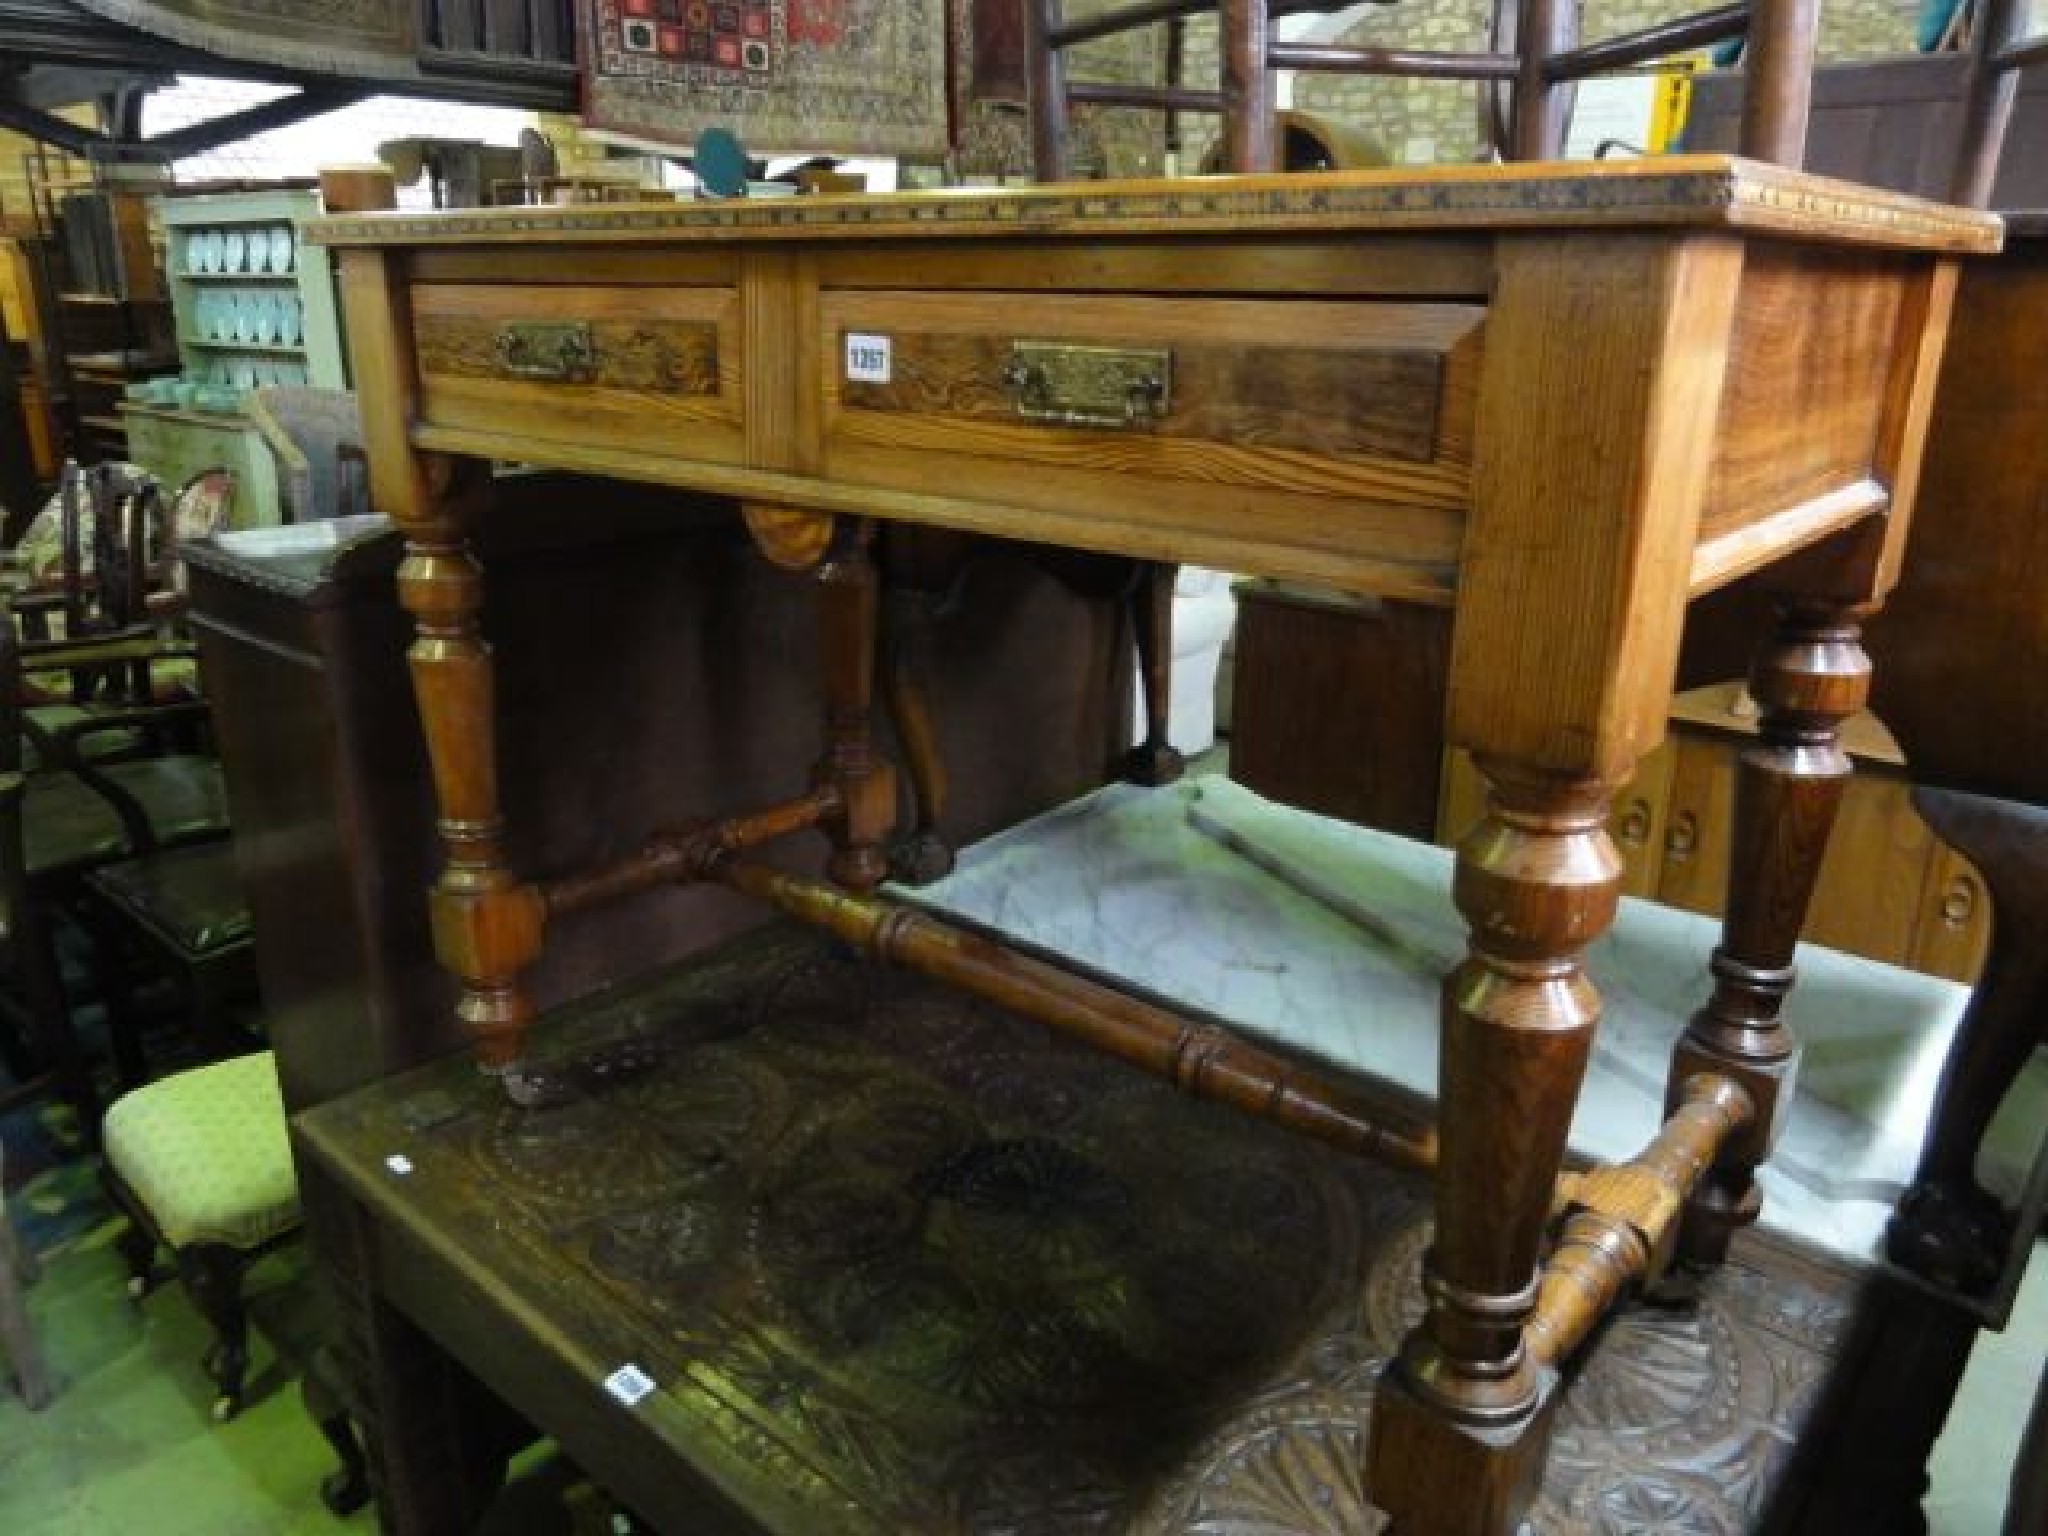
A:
<point x="1563" y="400"/>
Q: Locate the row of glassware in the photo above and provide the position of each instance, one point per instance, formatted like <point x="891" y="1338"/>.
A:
<point x="251" y="372"/>
<point x="256" y="316"/>
<point x="219" y="385"/>
<point x="262" y="248"/>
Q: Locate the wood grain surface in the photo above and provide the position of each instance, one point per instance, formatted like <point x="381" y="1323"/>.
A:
<point x="1698" y="191"/>
<point x="1334" y="380"/>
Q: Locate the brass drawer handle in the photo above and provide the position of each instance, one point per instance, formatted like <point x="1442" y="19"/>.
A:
<point x="1089" y="386"/>
<point x="560" y="354"/>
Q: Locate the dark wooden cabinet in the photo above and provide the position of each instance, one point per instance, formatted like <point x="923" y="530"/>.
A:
<point x="1891" y="122"/>
<point x="1337" y="704"/>
<point x="626" y="625"/>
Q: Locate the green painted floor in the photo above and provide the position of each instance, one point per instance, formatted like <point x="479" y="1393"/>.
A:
<point x="128" y="1444"/>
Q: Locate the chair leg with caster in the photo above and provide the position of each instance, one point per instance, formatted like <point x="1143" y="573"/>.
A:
<point x="138" y="1250"/>
<point x="201" y="1162"/>
<point x="212" y="1273"/>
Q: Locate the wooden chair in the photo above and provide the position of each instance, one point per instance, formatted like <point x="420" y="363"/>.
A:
<point x="17" y="1334"/>
<point x="67" y="808"/>
<point x="1988" y="803"/>
<point x="316" y="436"/>
<point x="1537" y="59"/>
<point x="201" y="1164"/>
<point x="102" y="522"/>
<point x="176" y="913"/>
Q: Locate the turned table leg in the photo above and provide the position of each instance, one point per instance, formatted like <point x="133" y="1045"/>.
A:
<point x="864" y="779"/>
<point x="909" y="617"/>
<point x="1155" y="760"/>
<point x="1811" y="675"/>
<point x="486" y="923"/>
<point x="1462" y="1418"/>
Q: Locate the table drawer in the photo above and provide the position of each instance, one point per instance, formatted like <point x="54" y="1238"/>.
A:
<point x="628" y="367"/>
<point x="1195" y="412"/>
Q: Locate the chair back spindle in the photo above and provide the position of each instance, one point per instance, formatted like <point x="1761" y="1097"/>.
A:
<point x="1535" y="53"/>
<point x="1999" y="50"/>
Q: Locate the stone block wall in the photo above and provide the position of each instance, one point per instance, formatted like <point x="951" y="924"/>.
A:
<point x="1425" y="120"/>
<point x="1416" y="121"/>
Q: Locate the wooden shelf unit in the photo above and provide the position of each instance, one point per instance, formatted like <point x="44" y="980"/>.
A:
<point x="109" y="316"/>
<point x="178" y="439"/>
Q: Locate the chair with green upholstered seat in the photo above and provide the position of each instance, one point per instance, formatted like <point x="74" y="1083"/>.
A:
<point x="201" y="1163"/>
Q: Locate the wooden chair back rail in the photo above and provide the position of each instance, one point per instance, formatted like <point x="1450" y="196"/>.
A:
<point x="1646" y="44"/>
<point x="1541" y="57"/>
<point x="1145" y="13"/>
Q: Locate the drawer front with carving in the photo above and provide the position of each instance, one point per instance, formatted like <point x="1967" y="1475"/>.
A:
<point x="1311" y="420"/>
<point x="613" y="366"/>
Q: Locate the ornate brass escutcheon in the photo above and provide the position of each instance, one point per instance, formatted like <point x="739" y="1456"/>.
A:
<point x="562" y="353"/>
<point x="1089" y="386"/>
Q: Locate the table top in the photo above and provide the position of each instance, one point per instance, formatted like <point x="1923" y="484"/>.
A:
<point x="1619" y="385"/>
<point x="1694" y="191"/>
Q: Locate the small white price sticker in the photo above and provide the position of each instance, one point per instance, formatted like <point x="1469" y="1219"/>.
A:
<point x="867" y="358"/>
<point x="629" y="1384"/>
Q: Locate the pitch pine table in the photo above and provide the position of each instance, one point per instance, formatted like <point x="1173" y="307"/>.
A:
<point x="1563" y="400"/>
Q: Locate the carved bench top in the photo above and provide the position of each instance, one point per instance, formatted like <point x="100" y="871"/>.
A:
<point x="895" y="1260"/>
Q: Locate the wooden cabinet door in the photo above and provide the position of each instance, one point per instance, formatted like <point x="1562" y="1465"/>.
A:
<point x="1693" y="873"/>
<point x="1871" y="892"/>
<point x="1954" y="922"/>
<point x="1641" y="813"/>
<point x="1869" y="898"/>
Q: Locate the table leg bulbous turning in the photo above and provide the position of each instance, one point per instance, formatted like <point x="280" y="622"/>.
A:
<point x="1462" y="1417"/>
<point x="1810" y="677"/>
<point x="910" y="617"/>
<point x="486" y="922"/>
